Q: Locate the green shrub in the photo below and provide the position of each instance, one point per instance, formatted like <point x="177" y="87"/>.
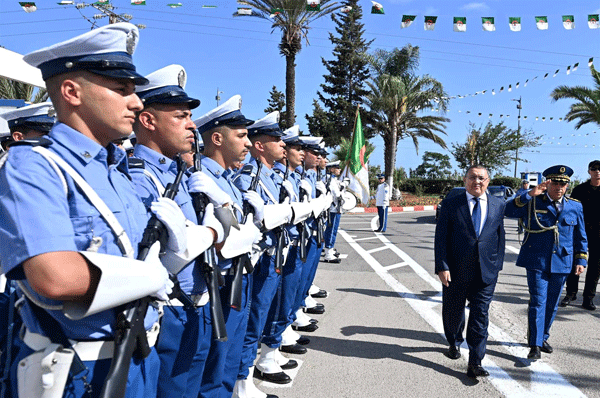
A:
<point x="420" y="186"/>
<point x="512" y="182"/>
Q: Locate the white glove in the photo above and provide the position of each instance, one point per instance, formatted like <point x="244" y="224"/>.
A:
<point x="211" y="221"/>
<point x="335" y="189"/>
<point x="200" y="182"/>
<point x="289" y="187"/>
<point x="170" y="214"/>
<point x="304" y="184"/>
<point x="321" y="187"/>
<point x="345" y="183"/>
<point x="257" y="203"/>
<point x="163" y="293"/>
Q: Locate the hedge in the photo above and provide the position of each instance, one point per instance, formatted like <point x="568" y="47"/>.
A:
<point x="420" y="186"/>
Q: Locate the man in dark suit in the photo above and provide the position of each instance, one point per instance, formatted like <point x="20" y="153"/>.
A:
<point x="469" y="252"/>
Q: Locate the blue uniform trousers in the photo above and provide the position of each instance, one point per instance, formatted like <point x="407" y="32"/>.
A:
<point x="382" y="211"/>
<point x="218" y="377"/>
<point x="182" y="347"/>
<point x="280" y="313"/>
<point x="313" y="270"/>
<point x="332" y="229"/>
<point x="544" y="291"/>
<point x="141" y="382"/>
<point x="453" y="314"/>
<point x="312" y="258"/>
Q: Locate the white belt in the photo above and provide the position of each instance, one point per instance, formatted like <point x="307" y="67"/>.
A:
<point x="199" y="300"/>
<point x="229" y="271"/>
<point x="87" y="350"/>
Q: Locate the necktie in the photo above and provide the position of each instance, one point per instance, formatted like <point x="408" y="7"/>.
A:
<point x="476" y="216"/>
<point x="555" y="204"/>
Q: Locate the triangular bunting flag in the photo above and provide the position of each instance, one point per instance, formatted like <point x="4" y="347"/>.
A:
<point x="204" y="6"/>
<point x="517" y="85"/>
<point x="575" y="66"/>
<point x="515" y="23"/>
<point x="346" y="9"/>
<point x="28" y="6"/>
<point x="275" y="11"/>
<point x="65" y="2"/>
<point x="376" y="8"/>
<point x="569" y="70"/>
<point x="101" y="2"/>
<point x="541" y="23"/>
<point x="174" y="5"/>
<point x="544" y="119"/>
<point x="524" y="117"/>
<point x="493" y="92"/>
<point x="591" y="62"/>
<point x="546" y="75"/>
<point x="490" y="116"/>
<point x="479" y="114"/>
<point x="593" y="21"/>
<point x="501" y="116"/>
<point x="556" y="73"/>
<point x="244" y="11"/>
<point x="460" y="24"/>
<point x="509" y="88"/>
<point x="488" y="24"/>
<point x="568" y="22"/>
<point x="407" y="20"/>
<point x="560" y="120"/>
<point x="138" y="2"/>
<point x="502" y="89"/>
<point x="525" y="84"/>
<point x="313" y="5"/>
<point x="430" y="22"/>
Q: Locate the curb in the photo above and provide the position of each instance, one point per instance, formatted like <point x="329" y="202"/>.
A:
<point x="393" y="209"/>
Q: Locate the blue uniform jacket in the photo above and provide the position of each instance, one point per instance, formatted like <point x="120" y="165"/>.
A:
<point x="294" y="178"/>
<point x="36" y="216"/>
<point x="164" y="170"/>
<point x="540" y="251"/>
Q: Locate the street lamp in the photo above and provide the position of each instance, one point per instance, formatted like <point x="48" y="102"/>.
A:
<point x="519" y="107"/>
<point x="218" y="97"/>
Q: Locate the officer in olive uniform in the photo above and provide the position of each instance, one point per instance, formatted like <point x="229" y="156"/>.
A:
<point x="554" y="241"/>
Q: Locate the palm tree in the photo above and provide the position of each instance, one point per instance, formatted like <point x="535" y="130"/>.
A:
<point x="397" y="96"/>
<point x="587" y="109"/>
<point x="293" y="19"/>
<point x="12" y="89"/>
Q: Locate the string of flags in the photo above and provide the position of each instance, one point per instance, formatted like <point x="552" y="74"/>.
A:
<point x="560" y="140"/>
<point x="488" y="24"/>
<point x="30" y="6"/>
<point x="510" y="87"/>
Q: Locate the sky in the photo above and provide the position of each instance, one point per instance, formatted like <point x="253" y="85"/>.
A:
<point x="240" y="56"/>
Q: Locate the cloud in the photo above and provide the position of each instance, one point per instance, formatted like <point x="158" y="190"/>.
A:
<point x="475" y="7"/>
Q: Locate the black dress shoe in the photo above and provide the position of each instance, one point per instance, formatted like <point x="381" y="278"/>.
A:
<point x="317" y="309"/>
<point x="588" y="305"/>
<point x="303" y="340"/>
<point x="477" y="371"/>
<point x="293" y="349"/>
<point x="567" y="300"/>
<point x="312" y="320"/>
<point x="278" y="378"/>
<point x="308" y="328"/>
<point x="547" y="348"/>
<point x="320" y="294"/>
<point x="377" y="230"/>
<point x="291" y="364"/>
<point x="333" y="261"/>
<point x="453" y="352"/>
<point x="534" y="353"/>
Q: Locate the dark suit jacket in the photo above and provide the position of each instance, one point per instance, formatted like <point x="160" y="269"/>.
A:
<point x="457" y="248"/>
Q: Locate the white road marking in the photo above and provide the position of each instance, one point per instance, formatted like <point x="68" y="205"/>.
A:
<point x="545" y="381"/>
<point x="378" y="249"/>
<point x="512" y="249"/>
<point x="393" y="266"/>
<point x="368" y="238"/>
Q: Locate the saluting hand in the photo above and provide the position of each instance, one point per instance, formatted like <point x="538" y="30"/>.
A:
<point x="539" y="189"/>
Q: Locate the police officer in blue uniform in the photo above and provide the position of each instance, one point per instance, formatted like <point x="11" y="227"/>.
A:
<point x="554" y="242"/>
<point x="32" y="121"/>
<point x="73" y="246"/>
<point x="163" y="130"/>
<point x="226" y="143"/>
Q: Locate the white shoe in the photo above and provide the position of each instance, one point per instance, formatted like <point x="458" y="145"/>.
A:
<point x="246" y="389"/>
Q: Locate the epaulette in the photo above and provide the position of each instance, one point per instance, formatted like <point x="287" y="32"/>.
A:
<point x="573" y="199"/>
<point x="136" y="163"/>
<point x="40" y="141"/>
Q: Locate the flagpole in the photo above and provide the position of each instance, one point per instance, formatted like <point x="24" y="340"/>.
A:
<point x="353" y="134"/>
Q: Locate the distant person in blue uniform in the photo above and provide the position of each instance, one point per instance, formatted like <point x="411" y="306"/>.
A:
<point x="555" y="241"/>
<point x="469" y="252"/>
<point x="382" y="201"/>
<point x="73" y="255"/>
<point x="32" y="121"/>
<point x="163" y="130"/>
<point x="524" y="188"/>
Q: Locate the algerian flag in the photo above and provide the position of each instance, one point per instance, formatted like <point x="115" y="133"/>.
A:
<point x="542" y="23"/>
<point x="575" y="66"/>
<point x="275" y="11"/>
<point x="430" y="22"/>
<point x="65" y="2"/>
<point x="407" y="20"/>
<point x="101" y="2"/>
<point x="346" y="9"/>
<point x="509" y="88"/>
<point x="138" y="2"/>
<point x="569" y="22"/>
<point x="502" y="89"/>
<point x="174" y="5"/>
<point x="208" y="6"/>
<point x="493" y="91"/>
<point x="460" y="24"/>
<point x="488" y="24"/>
<point x="28" y="6"/>
<point x="244" y="11"/>
<point x="546" y="75"/>
<point x="526" y="81"/>
<point x="515" y="23"/>
<point x="517" y="85"/>
<point x="357" y="168"/>
<point x="556" y="73"/>
<point x="593" y="21"/>
<point x="243" y="3"/>
<point x="569" y="70"/>
<point x="591" y="62"/>
<point x="313" y="5"/>
<point x="377" y="8"/>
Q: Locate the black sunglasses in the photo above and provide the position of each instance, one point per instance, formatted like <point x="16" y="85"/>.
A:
<point x="594" y="168"/>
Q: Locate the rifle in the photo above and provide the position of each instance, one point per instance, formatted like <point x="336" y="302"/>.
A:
<point x="130" y="333"/>
<point x="302" y="230"/>
<point x="320" y="237"/>
<point x="243" y="261"/>
<point x="207" y="261"/>
<point x="280" y="231"/>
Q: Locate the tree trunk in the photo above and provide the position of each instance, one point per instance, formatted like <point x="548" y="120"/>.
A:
<point x="290" y="89"/>
<point x="390" y="142"/>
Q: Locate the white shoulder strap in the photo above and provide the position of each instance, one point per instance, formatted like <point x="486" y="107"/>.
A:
<point x="271" y="197"/>
<point x="159" y="185"/>
<point x="122" y="238"/>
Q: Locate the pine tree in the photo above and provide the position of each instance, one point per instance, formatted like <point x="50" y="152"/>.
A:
<point x="276" y="103"/>
<point x="344" y="87"/>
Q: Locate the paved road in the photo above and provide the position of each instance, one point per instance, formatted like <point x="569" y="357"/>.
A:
<point x="382" y="335"/>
